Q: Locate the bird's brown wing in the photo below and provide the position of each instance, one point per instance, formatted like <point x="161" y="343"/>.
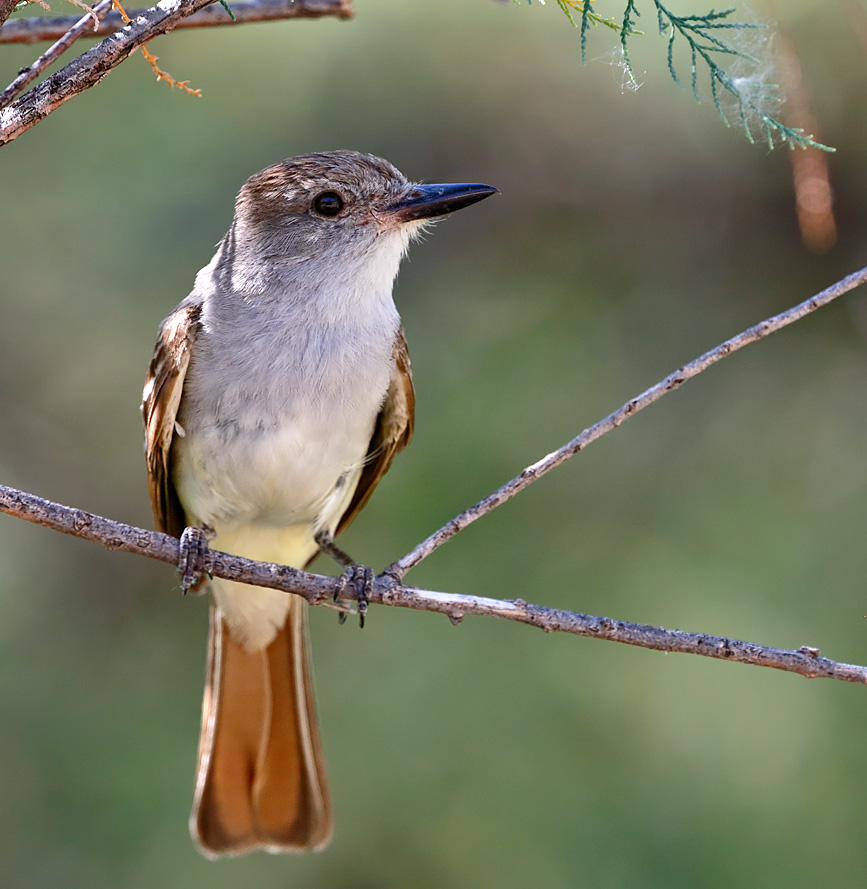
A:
<point x="392" y="433"/>
<point x="162" y="395"/>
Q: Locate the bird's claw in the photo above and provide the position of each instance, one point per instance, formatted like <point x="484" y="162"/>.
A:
<point x="355" y="579"/>
<point x="192" y="557"/>
<point x="357" y="582"/>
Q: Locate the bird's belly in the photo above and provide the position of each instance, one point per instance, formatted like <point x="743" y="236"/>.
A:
<point x="265" y="492"/>
<point x="294" y="472"/>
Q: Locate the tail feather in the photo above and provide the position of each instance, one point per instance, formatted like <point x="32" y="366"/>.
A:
<point x="261" y="776"/>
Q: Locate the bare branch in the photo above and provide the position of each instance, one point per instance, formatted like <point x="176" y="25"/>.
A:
<point x="28" y="75"/>
<point x="673" y="381"/>
<point x="91" y="66"/>
<point x="388" y="589"/>
<point x="7" y="7"/>
<point x="319" y="590"/>
<point x="34" y="30"/>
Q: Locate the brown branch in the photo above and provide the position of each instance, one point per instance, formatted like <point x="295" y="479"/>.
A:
<point x="389" y="590"/>
<point x="673" y="381"/>
<point x="320" y="590"/>
<point x="7" y="7"/>
<point x="34" y="30"/>
<point x="811" y="176"/>
<point x="27" y="75"/>
<point x="91" y="66"/>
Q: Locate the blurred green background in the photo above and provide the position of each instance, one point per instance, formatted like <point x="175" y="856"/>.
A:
<point x="633" y="232"/>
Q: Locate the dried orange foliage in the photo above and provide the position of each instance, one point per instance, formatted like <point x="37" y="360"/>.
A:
<point x="152" y="59"/>
<point x="164" y="75"/>
<point x="87" y="9"/>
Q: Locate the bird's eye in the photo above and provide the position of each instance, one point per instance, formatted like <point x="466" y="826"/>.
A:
<point x="329" y="203"/>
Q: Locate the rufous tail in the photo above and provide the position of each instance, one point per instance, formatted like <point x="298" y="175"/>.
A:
<point x="261" y="780"/>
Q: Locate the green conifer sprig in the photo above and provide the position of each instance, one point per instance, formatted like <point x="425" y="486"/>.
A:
<point x="751" y="96"/>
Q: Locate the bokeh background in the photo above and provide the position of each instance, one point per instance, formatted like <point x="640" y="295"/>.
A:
<point x="633" y="232"/>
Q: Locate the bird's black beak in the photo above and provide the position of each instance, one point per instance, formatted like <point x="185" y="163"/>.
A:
<point x="429" y="201"/>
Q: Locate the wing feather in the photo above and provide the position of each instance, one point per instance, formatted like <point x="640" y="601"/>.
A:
<point x="164" y="386"/>
<point x="392" y="433"/>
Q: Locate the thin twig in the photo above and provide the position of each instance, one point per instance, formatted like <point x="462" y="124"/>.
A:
<point x="318" y="589"/>
<point x="34" y="30"/>
<point x="91" y="66"/>
<point x="673" y="381"/>
<point x="28" y="75"/>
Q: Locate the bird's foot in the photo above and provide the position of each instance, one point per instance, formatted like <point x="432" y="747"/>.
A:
<point x="192" y="557"/>
<point x="356" y="580"/>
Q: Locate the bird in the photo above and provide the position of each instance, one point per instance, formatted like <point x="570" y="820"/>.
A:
<point x="279" y="392"/>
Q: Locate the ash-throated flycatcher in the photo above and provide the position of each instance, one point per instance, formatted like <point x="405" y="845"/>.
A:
<point x="278" y="395"/>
